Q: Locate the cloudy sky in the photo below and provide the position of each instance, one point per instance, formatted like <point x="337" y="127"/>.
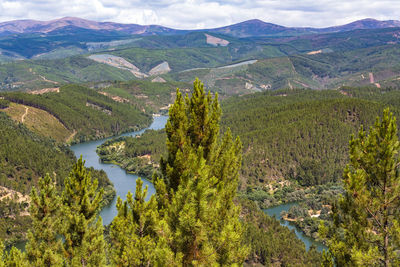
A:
<point x="195" y="14"/>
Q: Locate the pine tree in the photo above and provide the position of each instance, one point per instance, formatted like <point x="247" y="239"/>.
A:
<point x="83" y="230"/>
<point x="366" y="220"/>
<point x="136" y="239"/>
<point x="193" y="123"/>
<point x="15" y="258"/>
<point x="43" y="247"/>
<point x="198" y="183"/>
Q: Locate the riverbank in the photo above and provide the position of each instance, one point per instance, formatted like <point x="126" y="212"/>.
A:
<point x="140" y="156"/>
<point x="278" y="211"/>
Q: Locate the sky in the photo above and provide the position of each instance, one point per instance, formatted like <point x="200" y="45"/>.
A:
<point x="198" y="14"/>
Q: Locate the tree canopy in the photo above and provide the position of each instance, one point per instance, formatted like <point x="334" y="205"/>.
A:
<point x="366" y="220"/>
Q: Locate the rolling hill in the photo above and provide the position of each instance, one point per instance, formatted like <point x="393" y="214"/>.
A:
<point x="83" y="111"/>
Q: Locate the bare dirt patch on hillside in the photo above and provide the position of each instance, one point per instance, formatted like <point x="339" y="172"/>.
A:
<point x="315" y="52"/>
<point x="215" y="40"/>
<point x="116" y="98"/>
<point x="118" y="62"/>
<point x="45" y="90"/>
<point x="16" y="196"/>
<point x="161" y="68"/>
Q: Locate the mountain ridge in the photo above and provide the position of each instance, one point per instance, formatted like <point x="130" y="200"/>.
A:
<point x="248" y="28"/>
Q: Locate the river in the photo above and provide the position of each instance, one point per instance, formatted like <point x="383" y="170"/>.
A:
<point x="308" y="241"/>
<point x="123" y="181"/>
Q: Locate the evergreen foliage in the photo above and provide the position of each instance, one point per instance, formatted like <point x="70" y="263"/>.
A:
<point x="83" y="230"/>
<point x="24" y="157"/>
<point x="137" y="232"/>
<point x="135" y="155"/>
<point x="44" y="248"/>
<point x="298" y="134"/>
<point x="66" y="229"/>
<point x="153" y="97"/>
<point x="16" y="258"/>
<point x="192" y="219"/>
<point x="198" y="183"/>
<point x="272" y="244"/>
<point x="4" y="103"/>
<point x="366" y="220"/>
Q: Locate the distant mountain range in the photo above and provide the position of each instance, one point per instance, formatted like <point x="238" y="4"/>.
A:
<point x="250" y="28"/>
<point x="47" y="54"/>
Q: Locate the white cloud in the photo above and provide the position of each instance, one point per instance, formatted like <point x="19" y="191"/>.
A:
<point x="191" y="14"/>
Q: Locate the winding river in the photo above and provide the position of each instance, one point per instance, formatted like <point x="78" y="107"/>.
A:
<point x="123" y="181"/>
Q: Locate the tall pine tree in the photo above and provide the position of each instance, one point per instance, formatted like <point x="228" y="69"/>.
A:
<point x="43" y="247"/>
<point x="82" y="227"/>
<point x="366" y="220"/>
<point x="198" y="183"/>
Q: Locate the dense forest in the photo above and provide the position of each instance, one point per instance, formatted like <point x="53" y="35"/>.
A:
<point x="140" y="155"/>
<point x="291" y="124"/>
<point x="292" y="133"/>
<point x="270" y="242"/>
<point x="298" y="135"/>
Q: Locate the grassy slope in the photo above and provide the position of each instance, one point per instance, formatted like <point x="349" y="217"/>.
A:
<point x="39" y="121"/>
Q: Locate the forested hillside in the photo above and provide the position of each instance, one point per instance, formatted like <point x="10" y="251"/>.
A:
<point x="270" y="242"/>
<point x="84" y="111"/>
<point x="286" y="134"/>
<point x="24" y="158"/>
<point x="147" y="96"/>
<point x="136" y="155"/>
<point x="318" y="60"/>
